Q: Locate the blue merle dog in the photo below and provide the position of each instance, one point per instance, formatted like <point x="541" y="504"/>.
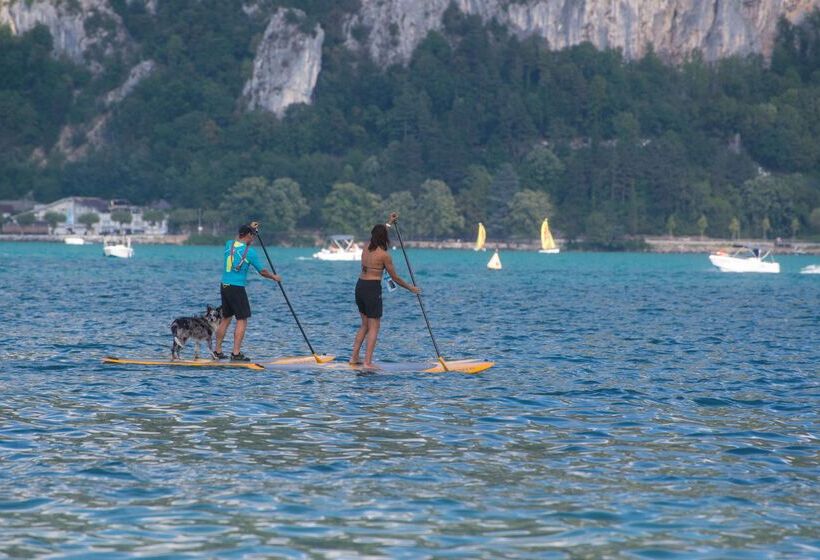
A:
<point x="198" y="328"/>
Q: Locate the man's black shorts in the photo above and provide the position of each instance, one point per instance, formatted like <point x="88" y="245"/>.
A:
<point x="235" y="301"/>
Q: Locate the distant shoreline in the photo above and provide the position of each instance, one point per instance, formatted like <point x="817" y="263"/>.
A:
<point x="653" y="244"/>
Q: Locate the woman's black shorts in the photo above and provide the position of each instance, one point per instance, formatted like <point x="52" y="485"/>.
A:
<point x="235" y="301"/>
<point x="369" y="298"/>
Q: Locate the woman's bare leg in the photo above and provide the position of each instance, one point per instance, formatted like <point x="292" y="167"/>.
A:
<point x="357" y="342"/>
<point x="372" y="335"/>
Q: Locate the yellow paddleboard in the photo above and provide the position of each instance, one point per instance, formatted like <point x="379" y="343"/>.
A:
<point x="301" y="360"/>
<point x="463" y="366"/>
<point x="185" y="363"/>
<point x="455" y="366"/>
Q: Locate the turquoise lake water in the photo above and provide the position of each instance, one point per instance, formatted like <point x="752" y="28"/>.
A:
<point x="642" y="406"/>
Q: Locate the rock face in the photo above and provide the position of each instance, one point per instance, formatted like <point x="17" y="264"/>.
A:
<point x="76" y="140"/>
<point x="286" y="65"/>
<point x="82" y="30"/>
<point x="676" y="28"/>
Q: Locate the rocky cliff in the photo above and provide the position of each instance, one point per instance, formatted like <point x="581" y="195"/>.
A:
<point x="676" y="28"/>
<point x="83" y="30"/>
<point x="286" y="65"/>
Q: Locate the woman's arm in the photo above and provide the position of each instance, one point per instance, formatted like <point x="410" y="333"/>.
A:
<point x="391" y="270"/>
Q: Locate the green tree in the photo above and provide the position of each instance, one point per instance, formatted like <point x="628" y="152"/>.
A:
<point x="122" y="217"/>
<point x="53" y="219"/>
<point x="795" y="227"/>
<point x="542" y="170"/>
<point x="671" y="225"/>
<point x="734" y="227"/>
<point x="473" y="198"/>
<point x="277" y="206"/>
<point x="504" y="186"/>
<point x="405" y="204"/>
<point x="528" y="209"/>
<point x="437" y="212"/>
<point x="182" y="219"/>
<point x="88" y="220"/>
<point x="350" y="209"/>
<point x="814" y="219"/>
<point x="599" y="229"/>
<point x="153" y="216"/>
<point x="215" y="219"/>
<point x="765" y="226"/>
<point x="703" y="223"/>
<point x="25" y="220"/>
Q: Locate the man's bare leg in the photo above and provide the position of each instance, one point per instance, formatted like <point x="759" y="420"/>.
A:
<point x="220" y="332"/>
<point x="239" y="334"/>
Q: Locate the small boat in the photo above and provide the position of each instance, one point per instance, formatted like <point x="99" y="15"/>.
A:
<point x="811" y="269"/>
<point x="481" y="238"/>
<point x="547" y="242"/>
<point x="495" y="262"/>
<point x="340" y="248"/>
<point x="73" y="240"/>
<point x="120" y="248"/>
<point x="745" y="259"/>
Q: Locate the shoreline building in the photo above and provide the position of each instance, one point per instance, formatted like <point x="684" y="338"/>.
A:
<point x="73" y="207"/>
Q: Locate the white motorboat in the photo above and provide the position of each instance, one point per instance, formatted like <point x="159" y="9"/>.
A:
<point x="73" y="240"/>
<point x="745" y="259"/>
<point x="811" y="269"/>
<point x="120" y="248"/>
<point x="340" y="248"/>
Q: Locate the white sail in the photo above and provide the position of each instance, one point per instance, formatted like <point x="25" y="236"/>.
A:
<point x="495" y="261"/>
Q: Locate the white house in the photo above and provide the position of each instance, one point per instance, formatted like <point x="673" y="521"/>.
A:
<point x="75" y="206"/>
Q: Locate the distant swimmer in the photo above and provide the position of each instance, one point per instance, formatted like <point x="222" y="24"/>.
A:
<point x="375" y="260"/>
<point x="239" y="257"/>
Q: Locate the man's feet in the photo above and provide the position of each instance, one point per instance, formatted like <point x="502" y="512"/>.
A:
<point x="219" y="355"/>
<point x="239" y="357"/>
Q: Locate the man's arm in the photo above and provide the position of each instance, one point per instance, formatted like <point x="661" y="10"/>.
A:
<point x="257" y="263"/>
<point x="268" y="274"/>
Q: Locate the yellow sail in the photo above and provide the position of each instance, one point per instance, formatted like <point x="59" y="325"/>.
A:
<point x="482" y="237"/>
<point x="547" y="242"/>
<point x="495" y="261"/>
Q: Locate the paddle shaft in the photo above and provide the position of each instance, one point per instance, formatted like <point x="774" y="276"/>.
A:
<point x="421" y="303"/>
<point x="285" y="295"/>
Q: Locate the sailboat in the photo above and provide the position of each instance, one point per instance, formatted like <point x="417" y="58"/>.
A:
<point x="547" y="242"/>
<point x="481" y="238"/>
<point x="495" y="262"/>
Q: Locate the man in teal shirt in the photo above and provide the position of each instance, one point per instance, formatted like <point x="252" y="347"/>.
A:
<point x="239" y="257"/>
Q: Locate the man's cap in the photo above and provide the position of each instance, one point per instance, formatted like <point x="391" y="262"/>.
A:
<point x="245" y="229"/>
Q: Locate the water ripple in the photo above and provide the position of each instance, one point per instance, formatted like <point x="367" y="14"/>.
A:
<point x="643" y="406"/>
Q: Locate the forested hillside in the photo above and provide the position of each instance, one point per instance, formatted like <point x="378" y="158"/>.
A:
<point x="479" y="126"/>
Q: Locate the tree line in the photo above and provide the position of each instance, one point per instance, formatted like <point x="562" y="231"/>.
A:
<point x="490" y="127"/>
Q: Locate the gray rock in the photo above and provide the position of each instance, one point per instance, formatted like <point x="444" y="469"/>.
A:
<point x="675" y="28"/>
<point x="83" y="30"/>
<point x="286" y="65"/>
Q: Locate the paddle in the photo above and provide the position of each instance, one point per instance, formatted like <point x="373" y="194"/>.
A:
<point x="395" y="219"/>
<point x="319" y="359"/>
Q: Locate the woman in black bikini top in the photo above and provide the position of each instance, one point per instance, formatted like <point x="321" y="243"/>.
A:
<point x="375" y="260"/>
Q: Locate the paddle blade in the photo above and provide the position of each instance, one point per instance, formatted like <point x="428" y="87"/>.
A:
<point x="323" y="359"/>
